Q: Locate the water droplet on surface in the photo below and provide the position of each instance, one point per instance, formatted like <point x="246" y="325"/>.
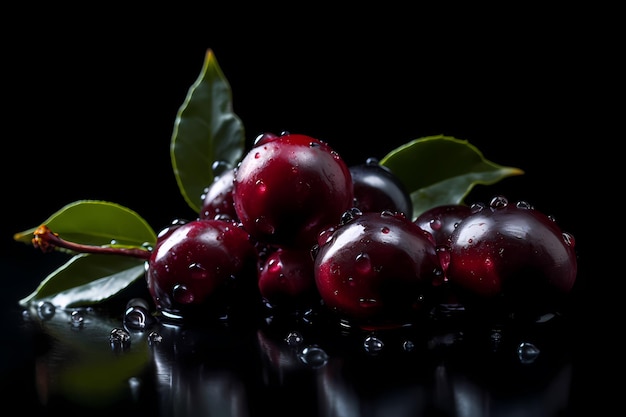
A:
<point x="294" y="338"/>
<point x="313" y="356"/>
<point x="77" y="319"/>
<point x="527" y="352"/>
<point x="46" y="310"/>
<point x="137" y="318"/>
<point x="119" y="339"/>
<point x="408" y="346"/>
<point x="373" y="345"/>
<point x="182" y="294"/>
<point x="154" y="338"/>
<point x="363" y="263"/>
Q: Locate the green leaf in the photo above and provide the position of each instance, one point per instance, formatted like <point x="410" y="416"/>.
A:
<point x="205" y="131"/>
<point x="87" y="280"/>
<point x="439" y="170"/>
<point x="97" y="223"/>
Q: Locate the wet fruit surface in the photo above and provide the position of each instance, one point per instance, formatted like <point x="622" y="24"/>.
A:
<point x="288" y="187"/>
<point x="376" y="268"/>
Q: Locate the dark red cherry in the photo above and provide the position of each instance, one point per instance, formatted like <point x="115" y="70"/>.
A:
<point x="286" y="279"/>
<point x="376" y="269"/>
<point x="515" y="253"/>
<point x="376" y="188"/>
<point x="288" y="187"/>
<point x="200" y="268"/>
<point x="217" y="199"/>
<point x="440" y="221"/>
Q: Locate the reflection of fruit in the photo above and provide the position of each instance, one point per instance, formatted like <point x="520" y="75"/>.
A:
<point x="376" y="188"/>
<point x="288" y="187"/>
<point x="514" y="251"/>
<point x="200" y="265"/>
<point x="375" y="268"/>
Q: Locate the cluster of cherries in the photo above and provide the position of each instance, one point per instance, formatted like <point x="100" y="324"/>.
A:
<point x="296" y="228"/>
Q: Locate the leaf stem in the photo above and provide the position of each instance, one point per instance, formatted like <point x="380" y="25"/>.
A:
<point x="47" y="241"/>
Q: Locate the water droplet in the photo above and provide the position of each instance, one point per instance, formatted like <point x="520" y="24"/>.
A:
<point x="134" y="384"/>
<point x="349" y="215"/>
<point x="219" y="167"/>
<point x="77" y="319"/>
<point x="363" y="263"/>
<point x="435" y="224"/>
<point x="373" y="345"/>
<point x="385" y="230"/>
<point x="477" y="207"/>
<point x="119" y="339"/>
<point x="46" y="310"/>
<point x="294" y="338"/>
<point x="498" y="202"/>
<point x="197" y="271"/>
<point x="182" y="294"/>
<point x="569" y="239"/>
<point x="408" y="346"/>
<point x="137" y="318"/>
<point x="524" y="205"/>
<point x="154" y="338"/>
<point x="264" y="225"/>
<point x="527" y="352"/>
<point x="313" y="356"/>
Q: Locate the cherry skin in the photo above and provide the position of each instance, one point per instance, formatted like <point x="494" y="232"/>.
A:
<point x="288" y="187"/>
<point x="199" y="269"/>
<point x="513" y="253"/>
<point x="217" y="199"/>
<point x="440" y="221"/>
<point x="376" y="269"/>
<point x="376" y="188"/>
<point x="286" y="279"/>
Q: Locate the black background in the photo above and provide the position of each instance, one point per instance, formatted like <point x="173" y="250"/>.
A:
<point x="89" y="112"/>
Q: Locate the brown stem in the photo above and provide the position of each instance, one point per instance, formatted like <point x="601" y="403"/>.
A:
<point x="47" y="241"/>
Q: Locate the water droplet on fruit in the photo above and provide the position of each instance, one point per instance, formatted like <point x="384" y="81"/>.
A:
<point x="385" y="230"/>
<point x="349" y="215"/>
<point x="46" y="310"/>
<point x="408" y="346"/>
<point x="182" y="294"/>
<point x="198" y="271"/>
<point x="363" y="263"/>
<point x="527" y="352"/>
<point x="313" y="356"/>
<point x="499" y="202"/>
<point x="219" y="167"/>
<point x="373" y="345"/>
<point x="435" y="224"/>
<point x="477" y="207"/>
<point x="569" y="239"/>
<point x="523" y="205"/>
<point x="368" y="302"/>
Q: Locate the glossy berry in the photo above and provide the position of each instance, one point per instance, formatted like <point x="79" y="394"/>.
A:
<point x="217" y="199"/>
<point x="286" y="279"/>
<point x="513" y="252"/>
<point x="376" y="188"/>
<point x="440" y="221"/>
<point x="199" y="268"/>
<point x="288" y="187"/>
<point x="375" y="269"/>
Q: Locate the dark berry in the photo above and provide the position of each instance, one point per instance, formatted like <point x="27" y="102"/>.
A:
<point x="288" y="187"/>
<point x="375" y="269"/>
<point x="376" y="188"/>
<point x="440" y="221"/>
<point x="217" y="199"/>
<point x="201" y="267"/>
<point x="286" y="279"/>
<point x="512" y="252"/>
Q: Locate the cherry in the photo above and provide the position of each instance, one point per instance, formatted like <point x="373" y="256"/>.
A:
<point x="288" y="187"/>
<point x="375" y="269"/>
<point x="513" y="253"/>
<point x="217" y="198"/>
<point x="376" y="188"/>
<point x="200" y="268"/>
<point x="440" y="221"/>
<point x="286" y="279"/>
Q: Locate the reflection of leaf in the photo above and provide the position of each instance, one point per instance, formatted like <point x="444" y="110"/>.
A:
<point x="88" y="372"/>
<point x="87" y="279"/>
<point x="440" y="170"/>
<point x="206" y="130"/>
<point x="96" y="223"/>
